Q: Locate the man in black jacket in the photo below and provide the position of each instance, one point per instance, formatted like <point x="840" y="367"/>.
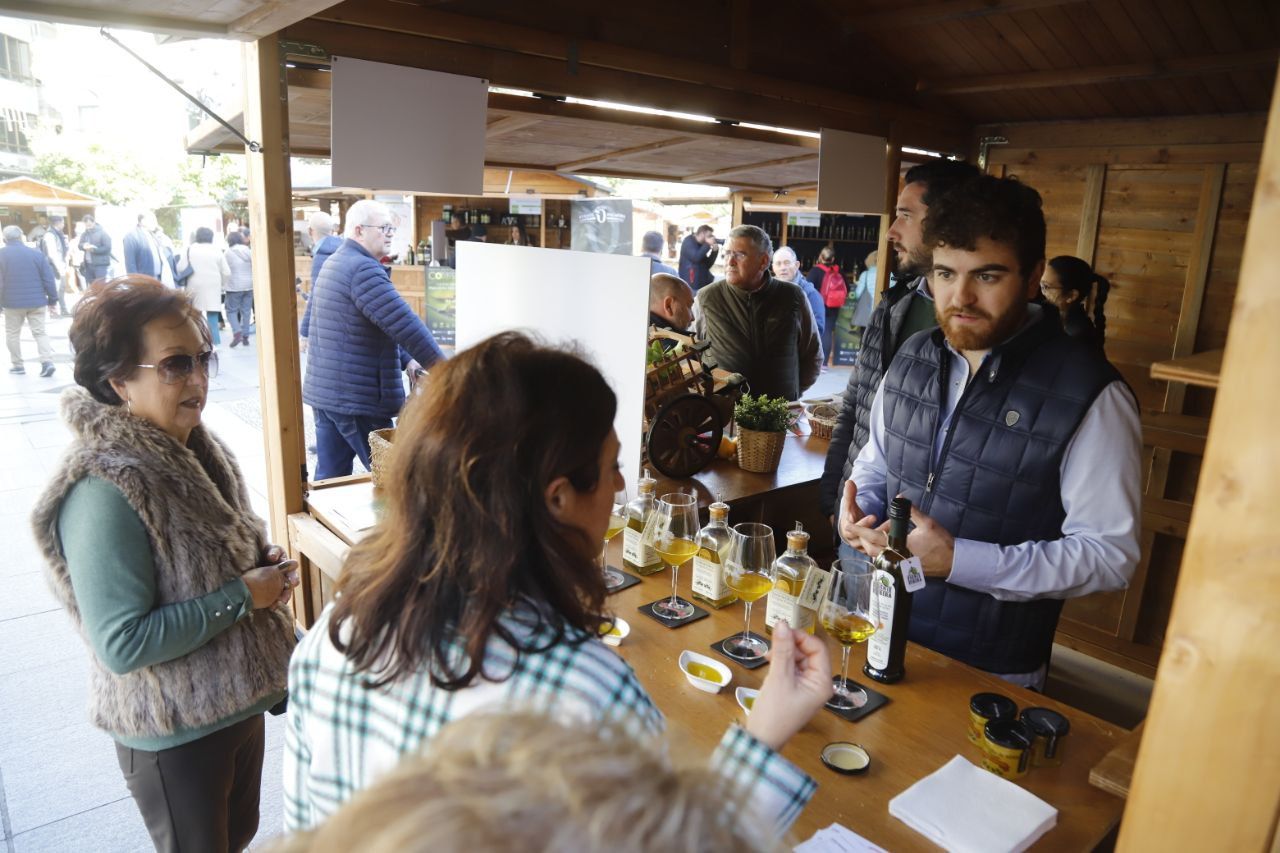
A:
<point x="697" y="255"/>
<point x="905" y="309"/>
<point x="96" y="245"/>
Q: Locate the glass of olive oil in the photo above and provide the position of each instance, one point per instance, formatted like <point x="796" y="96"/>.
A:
<point x="846" y="614"/>
<point x="617" y="520"/>
<point x="672" y="532"/>
<point x="748" y="570"/>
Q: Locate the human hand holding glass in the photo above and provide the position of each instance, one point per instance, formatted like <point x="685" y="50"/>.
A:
<point x="617" y="520"/>
<point x="748" y="571"/>
<point x="846" y="615"/>
<point x="672" y="531"/>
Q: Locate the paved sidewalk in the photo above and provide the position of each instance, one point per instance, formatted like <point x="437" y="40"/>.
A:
<point x="60" y="786"/>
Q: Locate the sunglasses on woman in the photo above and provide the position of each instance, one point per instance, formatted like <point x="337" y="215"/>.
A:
<point x="177" y="368"/>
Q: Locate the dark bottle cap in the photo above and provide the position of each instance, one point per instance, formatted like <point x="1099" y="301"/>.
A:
<point x="1011" y="734"/>
<point x="1045" y="722"/>
<point x="993" y="706"/>
<point x="900" y="507"/>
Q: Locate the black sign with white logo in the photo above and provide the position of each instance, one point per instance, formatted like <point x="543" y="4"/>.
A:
<point x="602" y="225"/>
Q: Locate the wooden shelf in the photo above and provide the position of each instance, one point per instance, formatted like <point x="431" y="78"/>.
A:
<point x="1200" y="369"/>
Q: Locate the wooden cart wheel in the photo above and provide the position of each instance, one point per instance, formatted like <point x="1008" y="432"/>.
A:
<point x="684" y="436"/>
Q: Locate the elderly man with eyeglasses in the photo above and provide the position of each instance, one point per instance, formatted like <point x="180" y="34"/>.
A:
<point x="759" y="325"/>
<point x="361" y="335"/>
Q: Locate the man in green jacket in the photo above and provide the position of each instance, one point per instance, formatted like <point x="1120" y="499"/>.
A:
<point x="758" y="325"/>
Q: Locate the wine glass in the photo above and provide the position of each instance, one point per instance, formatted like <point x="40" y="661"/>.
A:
<point x="672" y="531"/>
<point x="846" y="614"/>
<point x="617" y="520"/>
<point x="748" y="571"/>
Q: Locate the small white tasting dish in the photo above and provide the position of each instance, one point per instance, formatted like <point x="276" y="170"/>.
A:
<point x="687" y="657"/>
<point x="619" y="632"/>
<point x="746" y="697"/>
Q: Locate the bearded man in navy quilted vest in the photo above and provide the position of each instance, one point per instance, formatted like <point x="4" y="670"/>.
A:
<point x="362" y="334"/>
<point x="1018" y="446"/>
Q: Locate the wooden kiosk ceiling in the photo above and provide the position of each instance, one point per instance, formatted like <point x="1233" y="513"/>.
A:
<point x="534" y="134"/>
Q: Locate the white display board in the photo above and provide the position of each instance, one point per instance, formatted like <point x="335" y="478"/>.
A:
<point x="599" y="302"/>
<point x="851" y="172"/>
<point x="398" y="128"/>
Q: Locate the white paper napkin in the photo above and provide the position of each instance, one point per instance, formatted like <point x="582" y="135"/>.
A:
<point x="966" y="809"/>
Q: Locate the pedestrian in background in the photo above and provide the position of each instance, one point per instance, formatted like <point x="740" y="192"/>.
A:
<point x="96" y="244"/>
<point x="209" y="274"/>
<point x="27" y="291"/>
<point x="54" y="246"/>
<point x="239" y="288"/>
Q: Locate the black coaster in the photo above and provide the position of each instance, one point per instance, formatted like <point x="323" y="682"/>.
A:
<point x="874" y="701"/>
<point x="647" y="610"/>
<point x="718" y="648"/>
<point x="629" y="581"/>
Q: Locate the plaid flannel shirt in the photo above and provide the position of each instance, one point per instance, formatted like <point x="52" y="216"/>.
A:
<point x="341" y="736"/>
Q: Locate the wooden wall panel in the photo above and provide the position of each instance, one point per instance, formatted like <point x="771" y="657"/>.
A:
<point x="1062" y="188"/>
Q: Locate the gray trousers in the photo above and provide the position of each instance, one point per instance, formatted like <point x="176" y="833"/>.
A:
<point x="35" y="317"/>
<point x="200" y="797"/>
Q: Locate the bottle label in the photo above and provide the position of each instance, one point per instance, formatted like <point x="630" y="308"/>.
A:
<point x="785" y="606"/>
<point x="882" y="595"/>
<point x="635" y="552"/>
<point x="815" y="589"/>
<point x="912" y="574"/>
<point x="708" y="579"/>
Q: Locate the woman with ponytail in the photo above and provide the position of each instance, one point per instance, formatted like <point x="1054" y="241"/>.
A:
<point x="1068" y="283"/>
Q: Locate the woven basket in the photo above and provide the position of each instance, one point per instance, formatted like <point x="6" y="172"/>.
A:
<point x="822" y="420"/>
<point x="759" y="451"/>
<point x="380" y="454"/>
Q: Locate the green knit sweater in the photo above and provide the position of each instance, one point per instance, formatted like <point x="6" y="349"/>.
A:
<point x="109" y="560"/>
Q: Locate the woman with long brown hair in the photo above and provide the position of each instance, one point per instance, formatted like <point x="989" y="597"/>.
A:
<point x="478" y="590"/>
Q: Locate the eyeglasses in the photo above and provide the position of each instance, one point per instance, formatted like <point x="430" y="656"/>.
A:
<point x="387" y="230"/>
<point x="176" y="368"/>
<point x="737" y="256"/>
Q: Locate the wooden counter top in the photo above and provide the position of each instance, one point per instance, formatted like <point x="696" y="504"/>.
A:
<point x="918" y="731"/>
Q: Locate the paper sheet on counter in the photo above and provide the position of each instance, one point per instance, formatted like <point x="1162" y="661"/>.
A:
<point x="837" y="839"/>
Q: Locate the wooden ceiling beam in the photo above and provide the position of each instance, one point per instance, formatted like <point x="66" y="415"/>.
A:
<point x="620" y="173"/>
<point x="271" y="16"/>
<point x="1180" y="67"/>
<point x="93" y="16"/>
<point x="623" y="153"/>
<point x="943" y="12"/>
<point x="524" y="57"/>
<point x="748" y="167"/>
<point x="309" y="78"/>
<point x="510" y="124"/>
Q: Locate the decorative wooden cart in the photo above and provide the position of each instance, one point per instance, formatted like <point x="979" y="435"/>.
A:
<point x="688" y="403"/>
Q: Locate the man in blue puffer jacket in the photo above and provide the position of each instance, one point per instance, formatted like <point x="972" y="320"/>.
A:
<point x="358" y="327"/>
<point x="27" y="292"/>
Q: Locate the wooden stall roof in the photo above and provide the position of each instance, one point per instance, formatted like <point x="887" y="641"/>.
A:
<point x="539" y="134"/>
<point x="498" y="183"/>
<point x="29" y="191"/>
<point x="238" y="19"/>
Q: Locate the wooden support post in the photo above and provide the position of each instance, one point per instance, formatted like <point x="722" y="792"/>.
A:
<point x="1091" y="212"/>
<point x="1219" y="671"/>
<point x="266" y="118"/>
<point x="893" y="165"/>
<point x="735" y="199"/>
<point x="542" y="224"/>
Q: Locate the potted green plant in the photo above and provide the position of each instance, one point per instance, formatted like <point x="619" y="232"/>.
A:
<point x="762" y="425"/>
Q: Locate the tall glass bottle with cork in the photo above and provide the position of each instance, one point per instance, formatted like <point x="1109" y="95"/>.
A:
<point x="890" y="601"/>
<point x="636" y="555"/>
<point x="790" y="572"/>
<point x="709" y="585"/>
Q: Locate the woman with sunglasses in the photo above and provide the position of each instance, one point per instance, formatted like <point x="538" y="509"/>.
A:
<point x="152" y="548"/>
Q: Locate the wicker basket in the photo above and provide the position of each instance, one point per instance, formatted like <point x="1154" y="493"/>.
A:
<point x="822" y="420"/>
<point x="759" y="451"/>
<point x="380" y="454"/>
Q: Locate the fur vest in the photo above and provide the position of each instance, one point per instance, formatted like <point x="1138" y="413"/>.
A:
<point x="194" y="505"/>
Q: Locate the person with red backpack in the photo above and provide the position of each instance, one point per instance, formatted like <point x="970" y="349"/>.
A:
<point x="830" y="282"/>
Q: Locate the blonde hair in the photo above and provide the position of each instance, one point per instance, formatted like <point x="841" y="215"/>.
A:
<point x="872" y="257"/>
<point x="524" y="781"/>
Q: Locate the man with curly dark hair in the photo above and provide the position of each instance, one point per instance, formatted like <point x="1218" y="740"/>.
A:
<point x="1018" y="446"/>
